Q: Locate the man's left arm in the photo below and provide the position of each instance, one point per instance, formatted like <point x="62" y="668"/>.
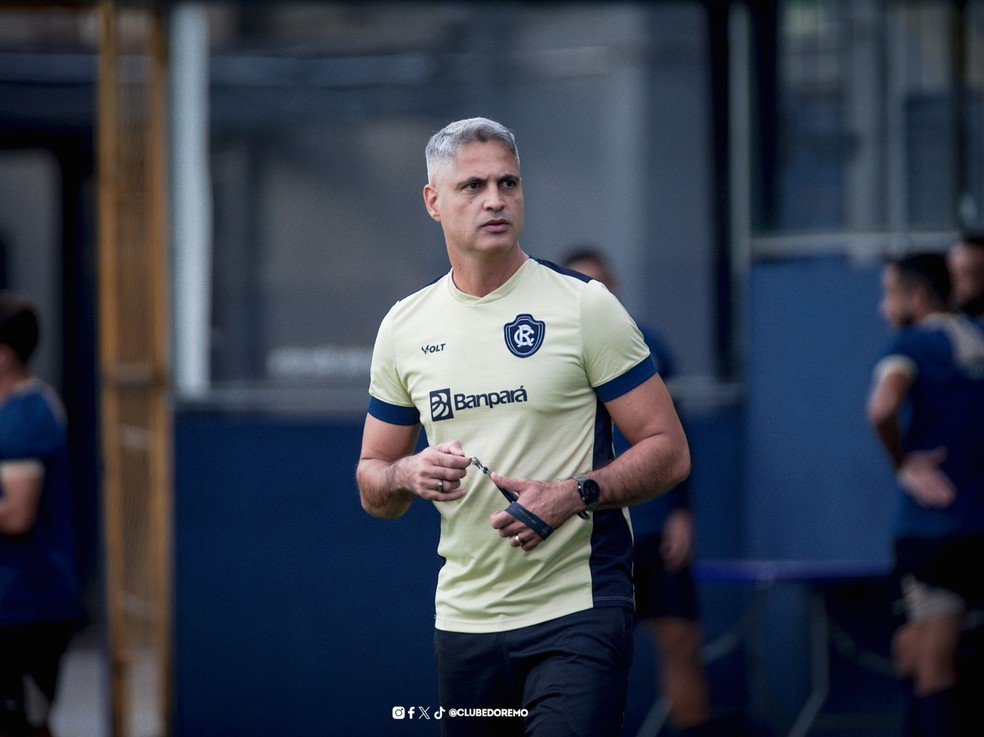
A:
<point x="658" y="459"/>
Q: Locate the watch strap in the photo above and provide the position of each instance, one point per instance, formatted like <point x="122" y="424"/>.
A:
<point x="589" y="505"/>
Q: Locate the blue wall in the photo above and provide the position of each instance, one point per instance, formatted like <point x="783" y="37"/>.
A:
<point x="297" y="613"/>
<point x="818" y="485"/>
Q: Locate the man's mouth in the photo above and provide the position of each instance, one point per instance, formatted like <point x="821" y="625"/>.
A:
<point x="496" y="226"/>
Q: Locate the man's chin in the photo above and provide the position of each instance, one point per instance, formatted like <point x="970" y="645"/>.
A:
<point x="495" y="246"/>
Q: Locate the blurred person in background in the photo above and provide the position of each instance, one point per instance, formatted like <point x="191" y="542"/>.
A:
<point x="927" y="406"/>
<point x="523" y="365"/>
<point x="40" y="602"/>
<point x="965" y="260"/>
<point x="663" y="533"/>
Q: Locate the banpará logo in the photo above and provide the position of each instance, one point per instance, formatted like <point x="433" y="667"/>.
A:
<point x="444" y="404"/>
<point x="524" y="335"/>
<point x="440" y="401"/>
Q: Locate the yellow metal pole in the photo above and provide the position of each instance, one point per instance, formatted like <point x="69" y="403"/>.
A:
<point x="108" y="278"/>
<point x="161" y="450"/>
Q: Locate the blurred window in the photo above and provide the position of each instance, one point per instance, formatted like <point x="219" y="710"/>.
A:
<point x="319" y="116"/>
<point x="879" y="119"/>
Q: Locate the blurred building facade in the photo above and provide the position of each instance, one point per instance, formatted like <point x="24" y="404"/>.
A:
<point x="745" y="164"/>
<point x="686" y="138"/>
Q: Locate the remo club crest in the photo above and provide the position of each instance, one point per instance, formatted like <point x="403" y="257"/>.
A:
<point x="524" y="336"/>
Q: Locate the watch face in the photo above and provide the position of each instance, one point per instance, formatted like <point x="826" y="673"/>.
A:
<point x="589" y="490"/>
<point x="592" y="490"/>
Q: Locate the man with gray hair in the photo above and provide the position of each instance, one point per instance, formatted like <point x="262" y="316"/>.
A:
<point x="517" y="363"/>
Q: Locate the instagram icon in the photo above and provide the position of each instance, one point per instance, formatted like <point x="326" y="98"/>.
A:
<point x="399" y="712"/>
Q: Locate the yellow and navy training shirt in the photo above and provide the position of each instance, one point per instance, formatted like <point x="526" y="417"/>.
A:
<point x="518" y="377"/>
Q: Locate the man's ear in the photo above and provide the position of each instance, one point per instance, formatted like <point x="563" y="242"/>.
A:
<point x="430" y="201"/>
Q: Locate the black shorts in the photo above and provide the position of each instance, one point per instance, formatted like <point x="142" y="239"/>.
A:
<point x="660" y="592"/>
<point x="951" y="563"/>
<point x="564" y="678"/>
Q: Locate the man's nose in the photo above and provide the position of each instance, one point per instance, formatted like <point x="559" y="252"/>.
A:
<point x="494" y="200"/>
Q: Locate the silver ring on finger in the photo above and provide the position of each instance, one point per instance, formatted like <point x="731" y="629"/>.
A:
<point x="517" y="541"/>
<point x="440" y="485"/>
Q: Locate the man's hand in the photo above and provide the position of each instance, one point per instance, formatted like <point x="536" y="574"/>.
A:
<point x="21" y="482"/>
<point x="920" y="476"/>
<point x="390" y="478"/>
<point x="678" y="539"/>
<point x="434" y="473"/>
<point x="553" y="502"/>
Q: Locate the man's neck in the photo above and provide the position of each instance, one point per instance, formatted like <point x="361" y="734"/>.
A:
<point x="479" y="277"/>
<point x="10" y="380"/>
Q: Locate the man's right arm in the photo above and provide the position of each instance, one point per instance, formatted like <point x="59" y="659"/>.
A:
<point x="885" y="406"/>
<point x="21" y="481"/>
<point x="390" y="476"/>
<point x="918" y="472"/>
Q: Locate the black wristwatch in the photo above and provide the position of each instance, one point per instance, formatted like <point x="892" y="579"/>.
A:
<point x="589" y="492"/>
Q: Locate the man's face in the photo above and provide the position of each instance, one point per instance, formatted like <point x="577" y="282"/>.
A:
<point x="896" y="299"/>
<point x="966" y="266"/>
<point x="478" y="200"/>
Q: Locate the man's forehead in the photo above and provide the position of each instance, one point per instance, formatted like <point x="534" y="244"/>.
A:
<point x="478" y="160"/>
<point x="493" y="156"/>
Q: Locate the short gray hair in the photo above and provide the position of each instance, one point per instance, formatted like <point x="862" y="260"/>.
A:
<point x="443" y="147"/>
